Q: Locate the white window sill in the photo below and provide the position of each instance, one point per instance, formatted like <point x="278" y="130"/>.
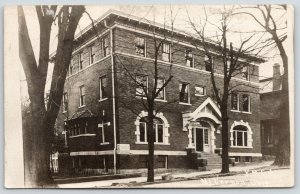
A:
<point x="183" y="103"/>
<point x="160" y="100"/>
<point x="237" y="111"/>
<point x="102" y="99"/>
<point x="155" y="143"/>
<point x="199" y="94"/>
<point x="83" y="135"/>
<point x="104" y="143"/>
<point x="82" y="106"/>
<point x="240" y="147"/>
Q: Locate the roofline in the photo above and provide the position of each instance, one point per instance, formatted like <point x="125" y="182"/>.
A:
<point x="110" y="12"/>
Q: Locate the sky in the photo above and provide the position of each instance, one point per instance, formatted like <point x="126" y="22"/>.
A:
<point x="158" y="13"/>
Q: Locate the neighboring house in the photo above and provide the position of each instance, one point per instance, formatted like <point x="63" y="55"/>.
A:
<point x="103" y="134"/>
<point x="269" y="117"/>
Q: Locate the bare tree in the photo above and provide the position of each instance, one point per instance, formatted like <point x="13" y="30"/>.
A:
<point x="230" y="66"/>
<point x="264" y="16"/>
<point x="37" y="137"/>
<point x="144" y="84"/>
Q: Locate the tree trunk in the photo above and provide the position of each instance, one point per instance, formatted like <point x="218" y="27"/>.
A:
<point x="150" y="138"/>
<point x="225" y="140"/>
<point x="283" y="147"/>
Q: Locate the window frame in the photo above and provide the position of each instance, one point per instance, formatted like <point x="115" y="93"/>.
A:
<point x="235" y="137"/>
<point x="188" y="93"/>
<point x="138" y="47"/>
<point x="101" y="98"/>
<point x="168" y="54"/>
<point x="82" y="101"/>
<point x="92" y="55"/>
<point x="204" y="90"/>
<point x="80" y="60"/>
<point x="163" y="90"/>
<point x="249" y="103"/>
<point x="237" y="101"/>
<point x="138" y="87"/>
<point x="189" y="58"/>
<point x="247" y="72"/>
<point x="155" y="126"/>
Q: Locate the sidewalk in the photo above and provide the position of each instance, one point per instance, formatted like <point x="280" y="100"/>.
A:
<point x="119" y="182"/>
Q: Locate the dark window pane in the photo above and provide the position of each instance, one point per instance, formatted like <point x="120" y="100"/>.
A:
<point x="160" y="133"/>
<point x="245" y="139"/>
<point x="234" y="101"/>
<point x="205" y="136"/>
<point x="239" y="138"/>
<point x="142" y="132"/>
<point x="245" y="101"/>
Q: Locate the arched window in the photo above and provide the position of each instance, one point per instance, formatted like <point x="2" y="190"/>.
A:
<point x="160" y="125"/>
<point x="158" y="128"/>
<point x="240" y="136"/>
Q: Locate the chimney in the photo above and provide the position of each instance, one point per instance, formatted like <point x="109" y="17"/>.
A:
<point x="276" y="77"/>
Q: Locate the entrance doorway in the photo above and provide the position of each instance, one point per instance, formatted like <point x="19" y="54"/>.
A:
<point x="202" y="138"/>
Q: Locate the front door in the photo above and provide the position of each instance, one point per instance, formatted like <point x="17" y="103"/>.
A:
<point x="199" y="140"/>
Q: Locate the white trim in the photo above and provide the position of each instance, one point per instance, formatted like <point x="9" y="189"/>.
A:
<point x="160" y="62"/>
<point x="204" y="104"/>
<point x="92" y="153"/>
<point x="158" y="152"/>
<point x="166" y="126"/>
<point x="244" y="154"/>
<point x="183" y="103"/>
<point x="249" y="134"/>
<point x="103" y="99"/>
<point x="83" y="135"/>
<point x="104" y="143"/>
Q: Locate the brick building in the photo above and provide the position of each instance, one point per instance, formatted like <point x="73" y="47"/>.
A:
<point x="270" y="105"/>
<point x="102" y="111"/>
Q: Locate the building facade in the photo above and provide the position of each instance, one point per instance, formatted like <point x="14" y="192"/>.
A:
<point x="103" y="111"/>
<point x="270" y="97"/>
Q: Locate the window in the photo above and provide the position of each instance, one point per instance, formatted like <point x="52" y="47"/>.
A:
<point x="82" y="95"/>
<point x="161" y="161"/>
<point x="267" y="128"/>
<point x="208" y="63"/>
<point x="143" y="132"/>
<point x="160" y="83"/>
<point x="71" y="67"/>
<point x="103" y="87"/>
<point x="80" y="61"/>
<point x="200" y="91"/>
<point x="245" y="73"/>
<point x="142" y="85"/>
<point x="184" y="95"/>
<point x="246" y="102"/>
<point x="158" y="128"/>
<point x="78" y="128"/>
<point x="92" y="54"/>
<point x="105" y="46"/>
<point x="189" y="58"/>
<point x="139" y="46"/>
<point x="234" y="101"/>
<point x="102" y="131"/>
<point x="65" y="102"/>
<point x="166" y="52"/>
<point x="206" y="136"/>
<point x="240" y="136"/>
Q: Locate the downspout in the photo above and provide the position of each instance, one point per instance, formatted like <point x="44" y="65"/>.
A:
<point x="113" y="96"/>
